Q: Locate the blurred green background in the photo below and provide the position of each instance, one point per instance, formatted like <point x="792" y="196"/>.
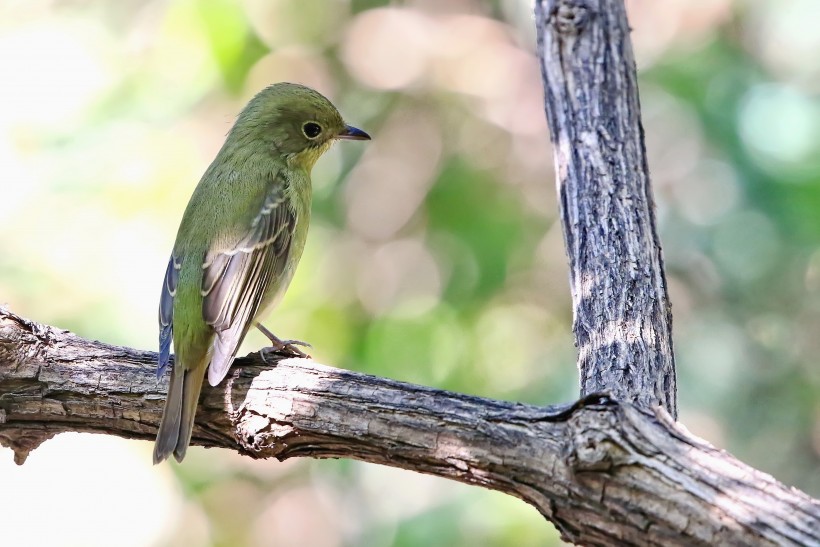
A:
<point x="434" y="255"/>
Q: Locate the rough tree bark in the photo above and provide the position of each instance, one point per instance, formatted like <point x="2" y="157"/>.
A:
<point x="605" y="472"/>
<point x="611" y="469"/>
<point x="622" y="317"/>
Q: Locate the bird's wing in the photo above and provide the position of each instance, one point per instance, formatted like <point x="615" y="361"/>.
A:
<point x="235" y="280"/>
<point x="166" y="314"/>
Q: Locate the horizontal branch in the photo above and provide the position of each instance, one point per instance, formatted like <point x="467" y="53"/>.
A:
<point x="604" y="472"/>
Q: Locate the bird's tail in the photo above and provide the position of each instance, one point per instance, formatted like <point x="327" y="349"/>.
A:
<point x="177" y="423"/>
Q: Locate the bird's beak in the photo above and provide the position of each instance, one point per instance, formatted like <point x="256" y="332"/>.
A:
<point x="350" y="133"/>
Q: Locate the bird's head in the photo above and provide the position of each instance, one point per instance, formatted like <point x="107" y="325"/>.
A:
<point x="293" y="122"/>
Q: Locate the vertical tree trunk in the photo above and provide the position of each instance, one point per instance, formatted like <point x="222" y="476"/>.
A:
<point x="622" y="319"/>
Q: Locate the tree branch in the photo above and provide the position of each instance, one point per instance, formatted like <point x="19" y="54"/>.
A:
<point x="622" y="316"/>
<point x="604" y="472"/>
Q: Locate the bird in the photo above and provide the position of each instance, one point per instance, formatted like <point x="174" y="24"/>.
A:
<point x="238" y="245"/>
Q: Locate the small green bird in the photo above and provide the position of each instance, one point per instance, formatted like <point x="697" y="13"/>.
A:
<point x="238" y="245"/>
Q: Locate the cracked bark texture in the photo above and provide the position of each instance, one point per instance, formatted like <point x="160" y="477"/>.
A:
<point x="622" y="317"/>
<point x="604" y="472"/>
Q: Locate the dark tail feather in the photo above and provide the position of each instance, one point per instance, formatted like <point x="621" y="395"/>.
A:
<point x="191" y="387"/>
<point x="168" y="433"/>
<point x="177" y="424"/>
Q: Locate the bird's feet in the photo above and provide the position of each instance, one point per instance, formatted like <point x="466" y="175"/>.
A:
<point x="285" y="349"/>
<point x="281" y="349"/>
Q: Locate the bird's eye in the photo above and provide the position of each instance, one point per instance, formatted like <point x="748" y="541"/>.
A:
<point x="311" y="129"/>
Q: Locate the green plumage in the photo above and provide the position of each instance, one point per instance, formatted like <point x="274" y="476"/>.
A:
<point x="238" y="244"/>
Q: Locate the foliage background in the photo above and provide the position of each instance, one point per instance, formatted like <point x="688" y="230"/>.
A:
<point x="434" y="254"/>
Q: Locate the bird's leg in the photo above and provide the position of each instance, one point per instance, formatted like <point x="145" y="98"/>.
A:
<point x="285" y="348"/>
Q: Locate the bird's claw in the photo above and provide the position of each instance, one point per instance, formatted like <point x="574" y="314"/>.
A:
<point x="282" y="348"/>
<point x="296" y="343"/>
<point x="287" y="349"/>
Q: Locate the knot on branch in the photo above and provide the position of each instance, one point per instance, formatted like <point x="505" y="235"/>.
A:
<point x="593" y="443"/>
<point x="569" y="17"/>
<point x="21" y="339"/>
<point x="255" y="432"/>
